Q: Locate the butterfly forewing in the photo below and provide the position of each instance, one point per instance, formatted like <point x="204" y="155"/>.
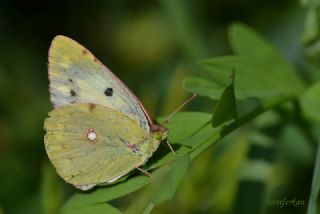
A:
<point x="76" y="76"/>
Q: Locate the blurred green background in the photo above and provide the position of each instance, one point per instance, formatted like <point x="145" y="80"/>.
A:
<point x="152" y="46"/>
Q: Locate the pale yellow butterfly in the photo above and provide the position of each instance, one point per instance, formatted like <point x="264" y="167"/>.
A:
<point x="98" y="131"/>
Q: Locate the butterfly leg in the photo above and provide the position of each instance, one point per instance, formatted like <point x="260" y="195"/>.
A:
<point x="144" y="172"/>
<point x="172" y="150"/>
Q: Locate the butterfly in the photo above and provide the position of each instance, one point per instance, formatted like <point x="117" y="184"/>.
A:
<point x="98" y="131"/>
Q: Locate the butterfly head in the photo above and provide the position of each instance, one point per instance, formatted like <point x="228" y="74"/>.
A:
<point x="159" y="132"/>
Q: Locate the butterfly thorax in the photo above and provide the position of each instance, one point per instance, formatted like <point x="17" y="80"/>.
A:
<point x="160" y="132"/>
<point x="151" y="143"/>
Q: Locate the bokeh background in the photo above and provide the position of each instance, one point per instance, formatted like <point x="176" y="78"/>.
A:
<point x="152" y="46"/>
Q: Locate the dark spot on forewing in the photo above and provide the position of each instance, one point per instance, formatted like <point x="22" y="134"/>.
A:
<point x="84" y="52"/>
<point x="70" y="80"/>
<point x="91" y="107"/>
<point x="108" y="92"/>
<point x="73" y="93"/>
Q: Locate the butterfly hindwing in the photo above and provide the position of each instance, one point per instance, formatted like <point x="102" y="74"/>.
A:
<point x="84" y="160"/>
<point x="76" y="76"/>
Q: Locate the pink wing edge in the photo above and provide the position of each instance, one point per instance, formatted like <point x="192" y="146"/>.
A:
<point x="112" y="74"/>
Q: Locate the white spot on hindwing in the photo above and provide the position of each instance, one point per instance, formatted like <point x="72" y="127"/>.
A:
<point x="90" y="135"/>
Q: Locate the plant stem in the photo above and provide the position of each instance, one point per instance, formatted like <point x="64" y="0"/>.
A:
<point x="217" y="136"/>
<point x="315" y="188"/>
<point x="265" y="106"/>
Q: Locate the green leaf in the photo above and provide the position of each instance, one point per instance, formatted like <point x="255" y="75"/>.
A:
<point x="311" y="29"/>
<point x="192" y="122"/>
<point x="210" y="141"/>
<point x="190" y="144"/>
<point x="311" y="102"/>
<point x="163" y="188"/>
<point x="51" y="190"/>
<point x="256" y="60"/>
<point x="261" y="70"/>
<point x="252" y="79"/>
<point x="203" y="87"/>
<point x="246" y="42"/>
<point x="104" y="194"/>
<point x="196" y="128"/>
<point x="170" y="180"/>
<point x="201" y="136"/>
<point x="226" y="109"/>
<point x="311" y="25"/>
<point x="315" y="188"/>
<point x="93" y="209"/>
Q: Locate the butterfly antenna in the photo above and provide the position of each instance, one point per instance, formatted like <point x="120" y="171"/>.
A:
<point x="179" y="108"/>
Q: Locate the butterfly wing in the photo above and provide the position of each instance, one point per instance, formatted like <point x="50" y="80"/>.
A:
<point x="85" y="161"/>
<point x="76" y="76"/>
